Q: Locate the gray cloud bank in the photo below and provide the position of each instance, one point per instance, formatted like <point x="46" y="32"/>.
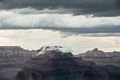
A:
<point x="96" y="7"/>
<point x="29" y="18"/>
<point x="86" y="17"/>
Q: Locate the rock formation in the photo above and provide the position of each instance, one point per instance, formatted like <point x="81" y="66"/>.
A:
<point x="99" y="53"/>
<point x="101" y="58"/>
<point x="55" y="63"/>
<point x="93" y="53"/>
<point x="13" y="56"/>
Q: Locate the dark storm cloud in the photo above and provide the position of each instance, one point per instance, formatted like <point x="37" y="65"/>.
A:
<point x="96" y="31"/>
<point x="40" y="16"/>
<point x="97" y="7"/>
<point x="67" y="23"/>
<point x="112" y="29"/>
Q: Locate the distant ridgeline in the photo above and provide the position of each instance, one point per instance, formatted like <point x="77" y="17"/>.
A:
<point x="12" y="51"/>
<point x="101" y="58"/>
<point x="13" y="56"/>
<point x="99" y="53"/>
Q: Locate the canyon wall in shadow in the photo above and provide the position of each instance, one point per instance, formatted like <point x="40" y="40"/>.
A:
<point x="54" y="64"/>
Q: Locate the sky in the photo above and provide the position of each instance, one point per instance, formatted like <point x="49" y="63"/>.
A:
<point x="34" y="39"/>
<point x="80" y="24"/>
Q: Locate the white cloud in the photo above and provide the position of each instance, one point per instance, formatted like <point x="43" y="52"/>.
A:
<point x="16" y="18"/>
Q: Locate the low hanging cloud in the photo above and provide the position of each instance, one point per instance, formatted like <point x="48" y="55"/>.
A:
<point x="29" y="18"/>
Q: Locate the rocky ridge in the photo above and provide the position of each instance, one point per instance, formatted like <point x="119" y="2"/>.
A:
<point x="99" y="53"/>
<point x="101" y="58"/>
<point x="54" y="64"/>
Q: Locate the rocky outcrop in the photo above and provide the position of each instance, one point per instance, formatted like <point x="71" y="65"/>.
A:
<point x="54" y="64"/>
<point x="99" y="53"/>
<point x="93" y="53"/>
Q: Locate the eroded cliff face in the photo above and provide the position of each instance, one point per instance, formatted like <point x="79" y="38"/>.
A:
<point x="13" y="56"/>
<point x="53" y="64"/>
